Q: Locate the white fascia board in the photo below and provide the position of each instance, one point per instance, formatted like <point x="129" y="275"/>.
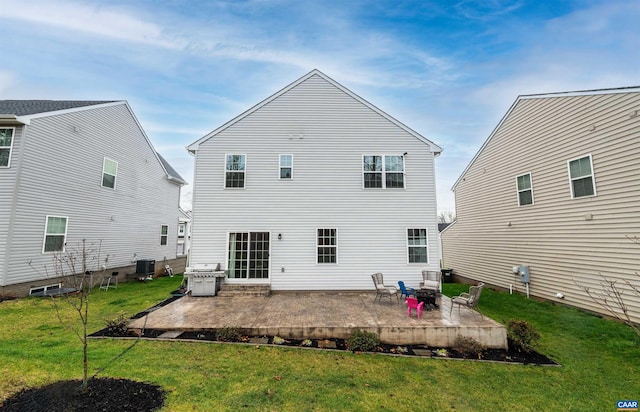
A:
<point x="26" y="119"/>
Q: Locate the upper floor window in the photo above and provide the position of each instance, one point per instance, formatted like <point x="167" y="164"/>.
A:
<point x="286" y="166"/>
<point x="525" y="190"/>
<point x="582" y="178"/>
<point x="234" y="170"/>
<point x="164" y="234"/>
<point x="327" y="245"/>
<point x="383" y="171"/>
<point x="182" y="229"/>
<point x="55" y="234"/>
<point x="109" y="173"/>
<point x="417" y="248"/>
<point x="6" y="143"/>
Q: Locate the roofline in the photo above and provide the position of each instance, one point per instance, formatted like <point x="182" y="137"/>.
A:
<point x="26" y="119"/>
<point x="192" y="148"/>
<point x="629" y="89"/>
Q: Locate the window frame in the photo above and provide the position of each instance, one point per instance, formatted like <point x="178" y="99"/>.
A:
<point x="410" y="246"/>
<point x="10" y="147"/>
<point x="518" y="190"/>
<point x="592" y="175"/>
<point x="383" y="172"/>
<point x="64" y="235"/>
<point x="280" y="157"/>
<point x="104" y="172"/>
<point x="243" y="171"/>
<point x="333" y="246"/>
<point x="164" y="235"/>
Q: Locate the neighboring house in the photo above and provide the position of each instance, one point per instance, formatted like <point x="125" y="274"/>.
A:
<point x="555" y="187"/>
<point x="314" y="188"/>
<point x="184" y="232"/>
<point x="73" y="170"/>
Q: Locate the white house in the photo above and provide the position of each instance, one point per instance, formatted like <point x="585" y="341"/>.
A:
<point x="555" y="188"/>
<point x="315" y="188"/>
<point x="73" y="170"/>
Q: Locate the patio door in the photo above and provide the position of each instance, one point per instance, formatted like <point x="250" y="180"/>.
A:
<point x="248" y="256"/>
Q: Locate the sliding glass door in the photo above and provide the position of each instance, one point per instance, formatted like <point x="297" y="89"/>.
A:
<point x="248" y="255"/>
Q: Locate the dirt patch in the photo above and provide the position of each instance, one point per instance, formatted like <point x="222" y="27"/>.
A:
<point x="103" y="394"/>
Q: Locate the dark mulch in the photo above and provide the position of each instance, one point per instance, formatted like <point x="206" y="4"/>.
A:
<point x="103" y="394"/>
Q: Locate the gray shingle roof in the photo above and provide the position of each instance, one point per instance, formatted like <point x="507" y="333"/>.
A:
<point x="27" y="107"/>
<point x="170" y="170"/>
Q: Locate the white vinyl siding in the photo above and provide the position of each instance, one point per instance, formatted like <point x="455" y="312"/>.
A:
<point x="286" y="166"/>
<point x="109" y="173"/>
<point x="382" y="171"/>
<point x="327" y="246"/>
<point x="417" y="246"/>
<point x="55" y="234"/>
<point x="581" y="176"/>
<point x="6" y="144"/>
<point x="235" y="165"/>
<point x="524" y="186"/>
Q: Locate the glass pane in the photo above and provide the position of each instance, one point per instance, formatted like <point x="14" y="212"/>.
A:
<point x="394" y="164"/>
<point x="110" y="167"/>
<point x="56" y="225"/>
<point x="372" y="163"/>
<point x="418" y="255"/>
<point x="163" y="240"/>
<point x="53" y="243"/>
<point x="524" y="182"/>
<point x="108" y="181"/>
<point x="235" y="179"/>
<point x="286" y="160"/>
<point x="285" y="173"/>
<point x="580" y="167"/>
<point x="164" y="229"/>
<point x="6" y="135"/>
<point x="4" y="157"/>
<point x="583" y="187"/>
<point x="417" y="237"/>
<point x="395" y="180"/>
<point x="525" y="197"/>
<point x="372" y="180"/>
<point x="235" y="162"/>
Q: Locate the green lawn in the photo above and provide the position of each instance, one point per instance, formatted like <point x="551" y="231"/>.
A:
<point x="600" y="359"/>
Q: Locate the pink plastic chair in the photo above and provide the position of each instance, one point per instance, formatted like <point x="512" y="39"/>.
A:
<point x="412" y="303"/>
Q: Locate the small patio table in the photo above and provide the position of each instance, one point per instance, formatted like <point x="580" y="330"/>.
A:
<point x="429" y="297"/>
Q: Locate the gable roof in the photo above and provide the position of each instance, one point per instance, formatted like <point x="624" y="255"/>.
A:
<point x="171" y="172"/>
<point x="29" y="107"/>
<point x="556" y="95"/>
<point x="192" y="148"/>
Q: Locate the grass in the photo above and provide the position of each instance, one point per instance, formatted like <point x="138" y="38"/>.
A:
<point x="600" y="361"/>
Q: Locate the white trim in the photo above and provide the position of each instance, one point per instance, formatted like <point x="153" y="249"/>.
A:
<point x="44" y="288"/>
<point x="426" y="246"/>
<point x="13" y="138"/>
<point x="244" y="180"/>
<point x="26" y="119"/>
<point x="115" y="177"/>
<point x="531" y="189"/>
<point x="281" y="167"/>
<point x="334" y="246"/>
<point x="44" y="238"/>
<point x="592" y="175"/>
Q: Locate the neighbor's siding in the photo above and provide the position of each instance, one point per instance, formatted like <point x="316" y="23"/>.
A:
<point x="61" y="174"/>
<point x="327" y="131"/>
<point x="553" y="236"/>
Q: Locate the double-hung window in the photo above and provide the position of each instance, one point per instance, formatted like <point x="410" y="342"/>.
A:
<point x="164" y="234"/>
<point x="235" y="165"/>
<point x="581" y="176"/>
<point x="327" y="245"/>
<point x="525" y="189"/>
<point x="286" y="166"/>
<point x="6" y="143"/>
<point x="383" y="172"/>
<point x="109" y="173"/>
<point x="417" y="248"/>
<point x="55" y="234"/>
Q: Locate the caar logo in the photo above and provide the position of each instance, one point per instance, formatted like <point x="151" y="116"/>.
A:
<point x="627" y="405"/>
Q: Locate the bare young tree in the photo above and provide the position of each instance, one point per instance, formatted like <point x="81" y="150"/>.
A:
<point x="446" y="216"/>
<point x="73" y="267"/>
<point x="610" y="295"/>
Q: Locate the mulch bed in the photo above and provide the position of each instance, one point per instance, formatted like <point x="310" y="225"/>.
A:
<point x="103" y="394"/>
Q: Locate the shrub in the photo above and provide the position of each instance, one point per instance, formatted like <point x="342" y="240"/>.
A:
<point x="521" y="335"/>
<point x="363" y="341"/>
<point x="229" y="334"/>
<point x="468" y="346"/>
<point x="277" y="340"/>
<point x="118" y="325"/>
<point x="307" y="342"/>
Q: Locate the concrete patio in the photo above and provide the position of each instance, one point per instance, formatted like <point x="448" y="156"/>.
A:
<point x="317" y="315"/>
